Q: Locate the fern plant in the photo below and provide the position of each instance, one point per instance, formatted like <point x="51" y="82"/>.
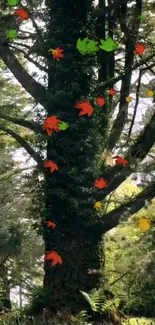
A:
<point x="98" y="302"/>
<point x="81" y="318"/>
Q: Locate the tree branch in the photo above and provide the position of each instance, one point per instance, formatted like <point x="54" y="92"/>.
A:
<point x="24" y="144"/>
<point x="126" y="210"/>
<point x="36" y="90"/>
<point x="113" y="6"/>
<point x="30" y="125"/>
<point x="112" y="81"/>
<point x="117" y="175"/>
<point x="136" y="105"/>
<point x="40" y="67"/>
<point x="120" y="121"/>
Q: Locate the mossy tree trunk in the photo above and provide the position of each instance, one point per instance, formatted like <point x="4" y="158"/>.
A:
<point x="68" y="199"/>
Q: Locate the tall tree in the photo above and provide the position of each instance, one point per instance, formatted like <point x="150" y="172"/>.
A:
<point x="70" y="193"/>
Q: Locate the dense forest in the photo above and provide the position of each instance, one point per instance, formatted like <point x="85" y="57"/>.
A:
<point x="77" y="181"/>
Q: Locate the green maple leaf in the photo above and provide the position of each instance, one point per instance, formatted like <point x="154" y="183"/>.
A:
<point x="12" y="34"/>
<point x="82" y="46"/>
<point x="108" y="45"/>
<point x="13" y="2"/>
<point x="92" y="47"/>
<point x="63" y="126"/>
<point x="87" y="46"/>
<point x="142" y="17"/>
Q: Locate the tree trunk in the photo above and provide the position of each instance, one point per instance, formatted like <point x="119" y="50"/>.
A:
<point x="6" y="302"/>
<point x="69" y="201"/>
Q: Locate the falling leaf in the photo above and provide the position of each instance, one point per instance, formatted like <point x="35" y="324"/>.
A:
<point x="50" y="124"/>
<point x="129" y="99"/>
<point x="100" y="101"/>
<point x="143" y="224"/>
<point x="108" y="45"/>
<point x="140" y="49"/>
<point x="51" y="224"/>
<point x="150" y="93"/>
<point x="86" y="108"/>
<point x="92" y="47"/>
<point x="100" y="183"/>
<point x="87" y="46"/>
<point x="142" y="17"/>
<point x="22" y="13"/>
<point x="12" y="34"/>
<point x="112" y="92"/>
<point x="82" y="45"/>
<point x="63" y="126"/>
<point x="107" y="157"/>
<point x="12" y="2"/>
<point x="57" y="53"/>
<point x="52" y="255"/>
<point x="50" y="164"/>
<point x="119" y="160"/>
<point x="98" y="205"/>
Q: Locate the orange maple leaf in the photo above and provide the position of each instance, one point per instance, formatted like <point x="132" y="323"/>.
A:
<point x="139" y="49"/>
<point x="100" y="101"/>
<point x="52" y="255"/>
<point x="57" y="53"/>
<point x="120" y="160"/>
<point x="85" y="106"/>
<point x="50" y="124"/>
<point x="100" y="183"/>
<point x="51" y="224"/>
<point x="22" y="13"/>
<point x="112" y="92"/>
<point x="50" y="164"/>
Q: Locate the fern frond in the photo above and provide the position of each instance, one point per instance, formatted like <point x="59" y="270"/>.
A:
<point x="90" y="300"/>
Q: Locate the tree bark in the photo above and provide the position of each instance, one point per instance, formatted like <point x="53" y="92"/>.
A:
<point x="68" y="203"/>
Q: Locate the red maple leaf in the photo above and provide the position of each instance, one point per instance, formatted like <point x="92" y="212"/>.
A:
<point x="85" y="106"/>
<point x="100" y="101"/>
<point x="119" y="160"/>
<point x="139" y="49"/>
<point x="100" y="183"/>
<point x="51" y="224"/>
<point x="52" y="255"/>
<point x="112" y="92"/>
<point x="50" y="124"/>
<point x="22" y="13"/>
<point x="50" y="164"/>
<point x="57" y="53"/>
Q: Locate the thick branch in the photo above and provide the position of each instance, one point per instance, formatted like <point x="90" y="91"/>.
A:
<point x="125" y="211"/>
<point x="24" y="144"/>
<point x="126" y="80"/>
<point x="117" y="175"/>
<point x="30" y="125"/>
<point x="36" y="90"/>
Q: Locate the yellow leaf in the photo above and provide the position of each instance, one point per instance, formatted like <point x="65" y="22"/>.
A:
<point x="143" y="224"/>
<point x="107" y="157"/>
<point x="52" y="50"/>
<point x="150" y="93"/>
<point x="129" y="99"/>
<point x="98" y="205"/>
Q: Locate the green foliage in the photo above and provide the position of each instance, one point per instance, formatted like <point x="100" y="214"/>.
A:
<point x="129" y="263"/>
<point x="37" y="300"/>
<point x="99" y="303"/>
<point x="81" y="318"/>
